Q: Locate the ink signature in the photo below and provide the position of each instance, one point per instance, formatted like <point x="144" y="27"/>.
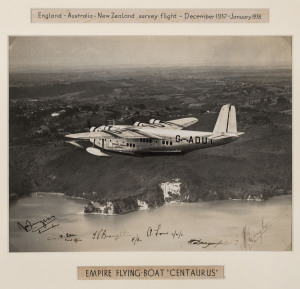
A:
<point x="39" y="226"/>
<point x="250" y="239"/>
<point x="103" y="234"/>
<point x="206" y="244"/>
<point x="157" y="231"/>
<point x="68" y="237"/>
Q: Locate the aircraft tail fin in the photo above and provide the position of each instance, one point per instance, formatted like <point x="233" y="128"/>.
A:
<point x="226" y="122"/>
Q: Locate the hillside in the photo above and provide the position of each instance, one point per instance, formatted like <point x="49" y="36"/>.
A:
<point x="256" y="163"/>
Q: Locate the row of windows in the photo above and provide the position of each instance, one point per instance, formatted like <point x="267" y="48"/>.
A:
<point x="167" y="142"/>
<point x="145" y="140"/>
<point x="149" y="140"/>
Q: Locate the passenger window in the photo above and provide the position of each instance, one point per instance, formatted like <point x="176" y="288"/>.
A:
<point x="167" y="142"/>
<point x="171" y="143"/>
<point x="127" y="144"/>
<point x="163" y="142"/>
<point x="134" y="145"/>
<point x="130" y="145"/>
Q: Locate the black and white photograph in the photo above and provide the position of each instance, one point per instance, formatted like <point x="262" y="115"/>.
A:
<point x="150" y="143"/>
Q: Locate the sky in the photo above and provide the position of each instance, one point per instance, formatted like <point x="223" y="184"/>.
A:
<point x="68" y="53"/>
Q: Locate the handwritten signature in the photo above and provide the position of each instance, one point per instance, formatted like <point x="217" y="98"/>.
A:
<point x="39" y="226"/>
<point x="206" y="244"/>
<point x="157" y="231"/>
<point x="250" y="239"/>
<point x="68" y="237"/>
<point x="103" y="234"/>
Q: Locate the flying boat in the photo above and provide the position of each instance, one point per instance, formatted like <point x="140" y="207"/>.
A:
<point x="158" y="137"/>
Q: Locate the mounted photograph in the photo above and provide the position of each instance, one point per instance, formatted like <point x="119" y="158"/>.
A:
<point x="150" y="143"/>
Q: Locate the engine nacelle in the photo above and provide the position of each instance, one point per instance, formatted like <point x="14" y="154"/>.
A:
<point x="100" y="128"/>
<point x="105" y="128"/>
<point x="110" y="128"/>
<point x="137" y="123"/>
<point x="154" y="121"/>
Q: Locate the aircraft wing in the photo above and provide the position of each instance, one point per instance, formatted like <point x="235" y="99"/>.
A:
<point x="179" y="123"/>
<point x="129" y="133"/>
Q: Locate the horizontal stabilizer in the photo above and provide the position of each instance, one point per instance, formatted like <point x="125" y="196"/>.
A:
<point x="224" y="136"/>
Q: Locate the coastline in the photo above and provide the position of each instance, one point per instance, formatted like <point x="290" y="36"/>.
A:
<point x="129" y="204"/>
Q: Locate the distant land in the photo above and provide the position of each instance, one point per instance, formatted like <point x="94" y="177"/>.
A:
<point x="44" y="107"/>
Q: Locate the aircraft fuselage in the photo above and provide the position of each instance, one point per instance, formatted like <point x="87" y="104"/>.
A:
<point x="172" y="142"/>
